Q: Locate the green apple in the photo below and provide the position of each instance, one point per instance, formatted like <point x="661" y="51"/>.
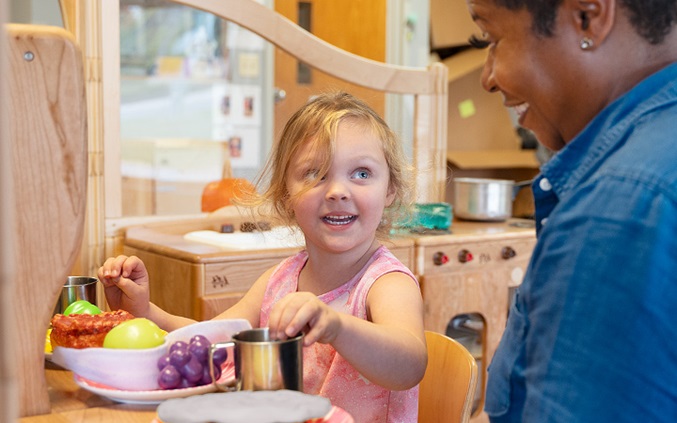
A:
<point x="81" y="307"/>
<point x="138" y="333"/>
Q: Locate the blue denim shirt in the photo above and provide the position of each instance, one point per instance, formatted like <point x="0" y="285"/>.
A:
<point x="592" y="335"/>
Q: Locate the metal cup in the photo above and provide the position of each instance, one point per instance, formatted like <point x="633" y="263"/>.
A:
<point x="76" y="288"/>
<point x="263" y="364"/>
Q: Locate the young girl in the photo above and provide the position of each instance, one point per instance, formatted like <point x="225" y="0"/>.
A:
<point x="335" y="171"/>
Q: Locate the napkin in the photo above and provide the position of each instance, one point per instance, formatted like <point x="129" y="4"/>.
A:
<point x="283" y="406"/>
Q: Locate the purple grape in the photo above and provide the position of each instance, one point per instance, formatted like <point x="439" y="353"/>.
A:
<point x="178" y="358"/>
<point x="219" y="356"/>
<point x="200" y="350"/>
<point x="169" y="378"/>
<point x="178" y="345"/>
<point x="192" y="370"/>
<point x="186" y="384"/>
<point x="206" y="377"/>
<point x="163" y="361"/>
<point x="200" y="338"/>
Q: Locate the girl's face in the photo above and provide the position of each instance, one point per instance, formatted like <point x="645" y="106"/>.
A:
<point x="536" y="75"/>
<point x="343" y="208"/>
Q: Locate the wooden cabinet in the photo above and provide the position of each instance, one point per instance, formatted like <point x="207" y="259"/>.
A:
<point x="472" y="272"/>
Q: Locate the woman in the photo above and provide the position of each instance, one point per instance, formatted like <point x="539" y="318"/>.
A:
<point x="591" y="336"/>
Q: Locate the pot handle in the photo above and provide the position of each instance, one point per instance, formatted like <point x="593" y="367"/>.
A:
<point x="230" y="386"/>
<point x="519" y="185"/>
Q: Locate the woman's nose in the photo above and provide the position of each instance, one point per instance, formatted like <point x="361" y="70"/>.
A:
<point x="487" y="77"/>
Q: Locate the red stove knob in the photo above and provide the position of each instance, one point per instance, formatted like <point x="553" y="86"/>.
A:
<point x="464" y="256"/>
<point x="508" y="253"/>
<point x="439" y="258"/>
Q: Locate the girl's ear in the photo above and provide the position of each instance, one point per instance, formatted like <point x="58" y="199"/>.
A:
<point x="390" y="196"/>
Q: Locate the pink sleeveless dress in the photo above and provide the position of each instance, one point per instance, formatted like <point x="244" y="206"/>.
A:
<point x="325" y="372"/>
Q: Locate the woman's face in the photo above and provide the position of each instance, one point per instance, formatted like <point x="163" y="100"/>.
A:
<point x="535" y="74"/>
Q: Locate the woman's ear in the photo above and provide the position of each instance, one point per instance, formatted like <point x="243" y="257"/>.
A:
<point x="593" y="20"/>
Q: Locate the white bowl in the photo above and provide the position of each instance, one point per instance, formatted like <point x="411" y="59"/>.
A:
<point x="136" y="370"/>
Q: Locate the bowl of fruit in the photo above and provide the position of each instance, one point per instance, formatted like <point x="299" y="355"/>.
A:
<point x="136" y="355"/>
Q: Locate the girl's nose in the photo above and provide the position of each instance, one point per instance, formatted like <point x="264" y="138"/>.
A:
<point x="337" y="190"/>
<point x="487" y="77"/>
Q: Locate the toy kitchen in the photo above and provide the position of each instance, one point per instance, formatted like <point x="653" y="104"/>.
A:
<point x="467" y="272"/>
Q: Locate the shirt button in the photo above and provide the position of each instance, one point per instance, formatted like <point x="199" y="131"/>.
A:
<point x="544" y="184"/>
<point x="544" y="221"/>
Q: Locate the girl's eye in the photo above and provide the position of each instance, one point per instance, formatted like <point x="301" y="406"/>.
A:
<point x="481" y="41"/>
<point x="312" y="175"/>
<point x="361" y="174"/>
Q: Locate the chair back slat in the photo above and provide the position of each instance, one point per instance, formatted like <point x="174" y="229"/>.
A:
<point x="448" y="387"/>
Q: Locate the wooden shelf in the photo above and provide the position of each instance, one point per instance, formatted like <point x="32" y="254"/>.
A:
<point x="493" y="159"/>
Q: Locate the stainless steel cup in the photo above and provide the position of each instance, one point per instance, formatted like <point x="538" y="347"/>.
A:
<point x="76" y="288"/>
<point x="263" y="364"/>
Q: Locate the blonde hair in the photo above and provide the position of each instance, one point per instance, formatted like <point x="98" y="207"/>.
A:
<point x="317" y="122"/>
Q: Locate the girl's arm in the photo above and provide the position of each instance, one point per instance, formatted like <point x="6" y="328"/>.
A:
<point x="389" y="349"/>
<point x="126" y="285"/>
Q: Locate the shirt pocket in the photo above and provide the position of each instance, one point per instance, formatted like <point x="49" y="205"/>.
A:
<point x="502" y="365"/>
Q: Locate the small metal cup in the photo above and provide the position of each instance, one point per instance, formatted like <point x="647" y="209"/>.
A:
<point x="76" y="288"/>
<point x="262" y="364"/>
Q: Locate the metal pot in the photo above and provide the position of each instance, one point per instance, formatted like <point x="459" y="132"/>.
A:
<point x="485" y="199"/>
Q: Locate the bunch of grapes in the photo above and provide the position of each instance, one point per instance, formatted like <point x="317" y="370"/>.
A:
<point x="187" y="364"/>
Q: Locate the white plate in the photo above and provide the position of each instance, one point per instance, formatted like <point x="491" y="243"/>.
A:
<point x="153" y="397"/>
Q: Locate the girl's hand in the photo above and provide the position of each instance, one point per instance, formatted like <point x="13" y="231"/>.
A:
<point x="126" y="285"/>
<point x="304" y="312"/>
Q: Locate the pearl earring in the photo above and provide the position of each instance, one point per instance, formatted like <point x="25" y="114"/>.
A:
<point x="586" y="43"/>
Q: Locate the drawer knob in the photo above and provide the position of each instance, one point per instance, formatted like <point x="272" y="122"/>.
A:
<point x="464" y="256"/>
<point x="508" y="252"/>
<point x="439" y="258"/>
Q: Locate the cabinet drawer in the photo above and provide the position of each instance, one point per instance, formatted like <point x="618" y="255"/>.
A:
<point x="477" y="255"/>
<point x="235" y="276"/>
<point x="213" y="305"/>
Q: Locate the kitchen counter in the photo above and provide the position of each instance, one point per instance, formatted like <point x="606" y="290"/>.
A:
<point x="167" y="238"/>
<point x="200" y="280"/>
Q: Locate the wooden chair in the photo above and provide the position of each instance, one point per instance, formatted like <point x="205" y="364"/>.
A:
<point x="447" y="389"/>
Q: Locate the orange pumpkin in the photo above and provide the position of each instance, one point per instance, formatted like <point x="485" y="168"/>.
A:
<point x="219" y="194"/>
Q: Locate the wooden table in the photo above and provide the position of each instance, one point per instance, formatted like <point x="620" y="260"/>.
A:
<point x="72" y="404"/>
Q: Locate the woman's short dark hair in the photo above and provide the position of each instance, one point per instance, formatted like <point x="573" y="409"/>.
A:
<point x="652" y="19"/>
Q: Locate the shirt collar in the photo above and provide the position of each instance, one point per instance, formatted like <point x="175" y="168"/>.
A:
<point x="571" y="165"/>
